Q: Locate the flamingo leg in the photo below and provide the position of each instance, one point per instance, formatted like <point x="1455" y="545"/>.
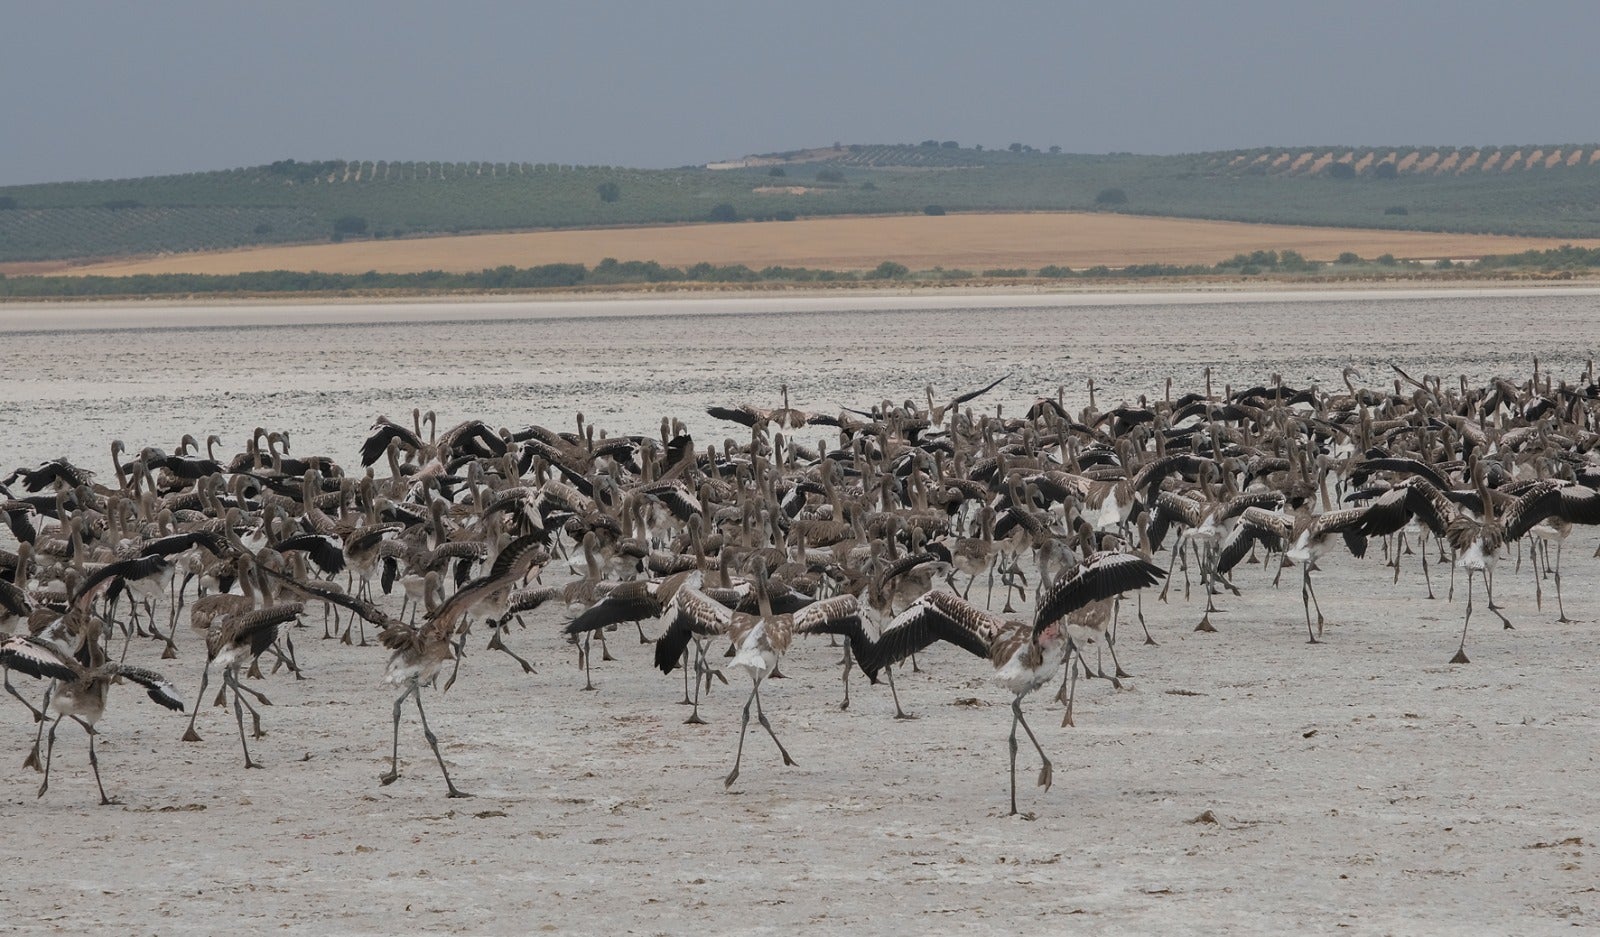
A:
<point x="433" y="742"/>
<point x="762" y="718"/>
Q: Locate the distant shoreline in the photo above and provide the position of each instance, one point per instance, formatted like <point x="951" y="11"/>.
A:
<point x="280" y="310"/>
<point x="1419" y="280"/>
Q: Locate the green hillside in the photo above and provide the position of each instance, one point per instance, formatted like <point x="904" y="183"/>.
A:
<point x="1551" y="191"/>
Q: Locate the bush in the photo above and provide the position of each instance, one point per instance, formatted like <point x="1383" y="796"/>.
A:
<point x="722" y="211"/>
<point x="117" y="204"/>
<point x="889" y="270"/>
<point x="777" y="172"/>
<point x="261" y="229"/>
<point x="1386" y="170"/>
<point x="608" y="191"/>
<point x="1055" y="271"/>
<point x="869" y="186"/>
<point x="933" y="210"/>
<point x="830" y="175"/>
<point x="1348" y="257"/>
<point x="1111" y="197"/>
<point x="1443" y="263"/>
<point x="783" y="215"/>
<point x="1396" y="210"/>
<point x="1006" y="272"/>
<point x="1387" y="260"/>
<point x="1341" y="171"/>
<point x="7" y="202"/>
<point x="350" y="224"/>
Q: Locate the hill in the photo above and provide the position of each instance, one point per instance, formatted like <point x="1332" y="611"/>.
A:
<point x="1547" y="191"/>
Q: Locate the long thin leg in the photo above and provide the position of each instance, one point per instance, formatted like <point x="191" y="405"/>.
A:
<point x="700" y="675"/>
<point x="1461" y="652"/>
<point x="898" y="712"/>
<point x="231" y="680"/>
<point x="1305" y="598"/>
<point x="38" y="714"/>
<point x="49" y="753"/>
<point x="394" y="759"/>
<point x="433" y="742"/>
<point x="32" y="761"/>
<point x="1046" y="773"/>
<point x="849" y="661"/>
<point x="1071" y="691"/>
<point x="1559" y="606"/>
<point x="1488" y="590"/>
<point x="588" y="683"/>
<point x="744" y="724"/>
<point x="495" y="644"/>
<point x="1139" y="606"/>
<point x="762" y="718"/>
<point x="94" y="764"/>
<point x="1011" y="745"/>
<point x="191" y="735"/>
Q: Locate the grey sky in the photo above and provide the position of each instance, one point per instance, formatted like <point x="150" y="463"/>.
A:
<point x="99" y="90"/>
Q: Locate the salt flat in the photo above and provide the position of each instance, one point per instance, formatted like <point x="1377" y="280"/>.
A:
<point x="1361" y="785"/>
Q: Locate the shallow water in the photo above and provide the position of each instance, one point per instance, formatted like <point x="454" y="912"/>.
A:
<point x="75" y="377"/>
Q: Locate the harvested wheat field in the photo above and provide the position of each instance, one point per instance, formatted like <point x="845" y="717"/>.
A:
<point x="968" y="241"/>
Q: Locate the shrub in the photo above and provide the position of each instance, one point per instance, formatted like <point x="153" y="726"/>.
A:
<point x="1006" y="272"/>
<point x="783" y="214"/>
<point x="777" y="172"/>
<point x="1387" y="260"/>
<point x="1055" y="271"/>
<point x="933" y="210"/>
<point x="1396" y="210"/>
<point x="350" y="224"/>
<point x="869" y="186"/>
<point x="1341" y="171"/>
<point x="889" y="270"/>
<point x="1348" y="257"/>
<point x="830" y="175"/>
<point x="1386" y="170"/>
<point x="608" y="191"/>
<point x="7" y="202"/>
<point x="1111" y="197"/>
<point x="722" y="211"/>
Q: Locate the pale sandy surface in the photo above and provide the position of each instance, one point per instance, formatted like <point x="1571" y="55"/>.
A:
<point x="971" y="241"/>
<point x="1362" y="786"/>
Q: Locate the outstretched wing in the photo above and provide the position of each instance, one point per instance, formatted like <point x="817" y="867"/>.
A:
<point x="1101" y="576"/>
<point x="37" y="657"/>
<point x="155" y="685"/>
<point x="936" y="616"/>
<point x="696" y="613"/>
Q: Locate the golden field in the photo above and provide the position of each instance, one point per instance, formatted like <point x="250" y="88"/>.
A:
<point x="970" y="241"/>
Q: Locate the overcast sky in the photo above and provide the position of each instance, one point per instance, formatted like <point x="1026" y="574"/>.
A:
<point x="100" y="90"/>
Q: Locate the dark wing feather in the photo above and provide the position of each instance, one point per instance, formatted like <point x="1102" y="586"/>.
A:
<point x="1102" y="576"/>
<point x="37" y="657"/>
<point x="373" y="449"/>
<point x="325" y="551"/>
<point x="1255" y="525"/>
<point x="937" y="616"/>
<point x="140" y="568"/>
<point x="630" y="601"/>
<point x="973" y="394"/>
<point x="155" y="685"/>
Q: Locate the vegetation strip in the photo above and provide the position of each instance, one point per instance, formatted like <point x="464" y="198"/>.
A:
<point x="1561" y="262"/>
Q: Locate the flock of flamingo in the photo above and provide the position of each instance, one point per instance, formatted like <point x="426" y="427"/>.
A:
<point x="874" y="535"/>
